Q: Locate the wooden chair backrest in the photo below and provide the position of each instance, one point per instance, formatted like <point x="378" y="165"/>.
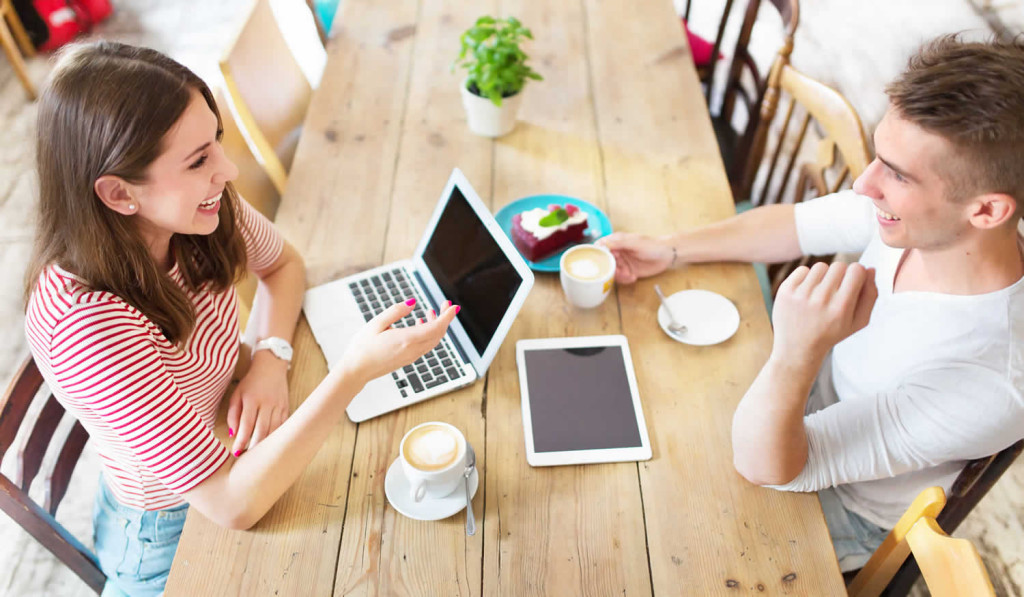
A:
<point x="890" y="555"/>
<point x="269" y="90"/>
<point x="745" y="85"/>
<point x="11" y="31"/>
<point x="742" y="61"/>
<point x="39" y="520"/>
<point x="843" y="147"/>
<point x="706" y="71"/>
<point x="951" y="567"/>
<point x="253" y="184"/>
<point x="971" y="485"/>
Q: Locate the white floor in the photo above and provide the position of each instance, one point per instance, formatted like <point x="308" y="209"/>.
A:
<point x="854" y="46"/>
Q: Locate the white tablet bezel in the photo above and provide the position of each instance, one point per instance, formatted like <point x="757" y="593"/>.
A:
<point x="642" y="452"/>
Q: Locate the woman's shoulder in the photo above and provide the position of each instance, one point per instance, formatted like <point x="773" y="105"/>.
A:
<point x="60" y="298"/>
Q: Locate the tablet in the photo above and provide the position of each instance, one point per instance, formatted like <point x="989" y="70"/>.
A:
<point x="580" y="401"/>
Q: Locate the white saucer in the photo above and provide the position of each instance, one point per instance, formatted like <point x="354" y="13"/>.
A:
<point x="396" y="488"/>
<point x="709" y="317"/>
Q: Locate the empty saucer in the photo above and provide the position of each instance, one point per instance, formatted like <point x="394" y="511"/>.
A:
<point x="396" y="488"/>
<point x="709" y="317"/>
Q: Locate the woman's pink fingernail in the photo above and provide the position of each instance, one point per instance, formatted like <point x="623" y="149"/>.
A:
<point x="447" y="304"/>
<point x="421" y="320"/>
<point x="231" y="432"/>
<point x="238" y="453"/>
<point x="433" y="313"/>
<point x="410" y="302"/>
<point x="457" y="309"/>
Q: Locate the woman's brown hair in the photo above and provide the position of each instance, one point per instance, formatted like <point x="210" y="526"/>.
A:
<point x="106" y="111"/>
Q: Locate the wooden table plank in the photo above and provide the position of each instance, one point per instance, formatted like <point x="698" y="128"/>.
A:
<point x="342" y="175"/>
<point x="291" y="551"/>
<point x="382" y="552"/>
<point x="620" y="122"/>
<point x="709" y="530"/>
<point x="572" y="530"/>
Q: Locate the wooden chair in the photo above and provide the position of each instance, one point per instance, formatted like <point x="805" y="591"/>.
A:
<point x="268" y="89"/>
<point x="706" y="69"/>
<point x="977" y="478"/>
<point x="841" y="152"/>
<point x="745" y="85"/>
<point x="951" y="567"/>
<point x="253" y="184"/>
<point x="10" y="23"/>
<point x="39" y="520"/>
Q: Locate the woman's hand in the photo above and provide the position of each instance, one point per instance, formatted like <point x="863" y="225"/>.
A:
<point x="637" y="256"/>
<point x="378" y="349"/>
<point x="259" y="403"/>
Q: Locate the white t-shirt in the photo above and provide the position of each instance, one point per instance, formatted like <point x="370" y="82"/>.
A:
<point x="933" y="380"/>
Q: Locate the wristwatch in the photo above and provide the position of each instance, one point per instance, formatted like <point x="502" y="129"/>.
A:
<point x="279" y="347"/>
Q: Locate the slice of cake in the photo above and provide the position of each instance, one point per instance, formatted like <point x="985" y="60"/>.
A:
<point x="539" y="232"/>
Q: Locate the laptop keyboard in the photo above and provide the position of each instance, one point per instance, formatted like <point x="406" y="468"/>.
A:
<point x="380" y="291"/>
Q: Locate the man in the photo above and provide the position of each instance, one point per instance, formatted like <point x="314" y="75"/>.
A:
<point x="910" y="362"/>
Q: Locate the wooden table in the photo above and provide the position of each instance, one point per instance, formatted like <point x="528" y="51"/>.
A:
<point x="619" y="121"/>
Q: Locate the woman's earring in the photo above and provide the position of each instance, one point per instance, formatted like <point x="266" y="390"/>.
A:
<point x="131" y="206"/>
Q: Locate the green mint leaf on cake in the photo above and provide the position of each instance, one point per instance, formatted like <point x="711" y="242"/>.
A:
<point x="554" y="218"/>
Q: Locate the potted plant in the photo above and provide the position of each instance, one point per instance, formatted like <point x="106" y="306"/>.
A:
<point x="496" y="72"/>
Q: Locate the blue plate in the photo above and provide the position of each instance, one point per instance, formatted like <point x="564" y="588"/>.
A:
<point x="598" y="223"/>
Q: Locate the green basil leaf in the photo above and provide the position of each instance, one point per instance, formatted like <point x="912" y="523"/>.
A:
<point x="554" y="218"/>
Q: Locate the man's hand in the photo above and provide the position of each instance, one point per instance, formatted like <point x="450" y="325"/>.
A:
<point x="259" y="403"/>
<point x="818" y="307"/>
<point x="637" y="256"/>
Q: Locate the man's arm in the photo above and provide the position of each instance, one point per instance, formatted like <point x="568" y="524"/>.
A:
<point x="763" y="234"/>
<point x="841" y="222"/>
<point x="814" y="309"/>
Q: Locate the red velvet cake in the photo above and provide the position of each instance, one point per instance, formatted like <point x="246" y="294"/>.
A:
<point x="539" y="232"/>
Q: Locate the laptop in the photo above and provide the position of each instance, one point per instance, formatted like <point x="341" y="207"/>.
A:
<point x="464" y="257"/>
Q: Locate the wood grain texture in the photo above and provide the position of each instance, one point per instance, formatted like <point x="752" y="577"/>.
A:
<point x="708" y="529"/>
<point x="382" y="552"/>
<point x="575" y="530"/>
<point x="618" y="121"/>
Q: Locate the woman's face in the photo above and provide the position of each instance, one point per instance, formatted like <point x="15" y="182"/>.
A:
<point x="183" y="187"/>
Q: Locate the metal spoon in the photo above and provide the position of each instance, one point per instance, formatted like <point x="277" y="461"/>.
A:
<point x="673" y="324"/>
<point x="470" y="465"/>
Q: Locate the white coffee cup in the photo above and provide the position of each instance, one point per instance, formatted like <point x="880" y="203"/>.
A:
<point x="587" y="273"/>
<point x="433" y="459"/>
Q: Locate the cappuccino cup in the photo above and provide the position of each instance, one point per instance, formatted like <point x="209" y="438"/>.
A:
<point x="433" y="459"/>
<point x="587" y="273"/>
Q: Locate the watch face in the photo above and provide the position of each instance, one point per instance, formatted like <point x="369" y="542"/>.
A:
<point x="283" y="349"/>
<point x="278" y="346"/>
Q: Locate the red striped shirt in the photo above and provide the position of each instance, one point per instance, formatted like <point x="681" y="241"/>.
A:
<point x="149" y="408"/>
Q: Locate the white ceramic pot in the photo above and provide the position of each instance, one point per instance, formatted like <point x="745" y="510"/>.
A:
<point x="485" y="118"/>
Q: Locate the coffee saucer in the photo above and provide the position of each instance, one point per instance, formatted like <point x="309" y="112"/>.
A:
<point x="709" y="317"/>
<point x="396" y="488"/>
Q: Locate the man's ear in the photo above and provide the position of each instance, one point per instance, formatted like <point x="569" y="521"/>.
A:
<point x="115" y="193"/>
<point x="992" y="210"/>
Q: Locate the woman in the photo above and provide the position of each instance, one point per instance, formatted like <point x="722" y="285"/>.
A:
<point x="132" y="316"/>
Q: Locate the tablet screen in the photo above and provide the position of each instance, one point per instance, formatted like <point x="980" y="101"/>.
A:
<point x="580" y="399"/>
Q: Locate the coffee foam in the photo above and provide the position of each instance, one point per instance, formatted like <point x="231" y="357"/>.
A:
<point x="584" y="268"/>
<point x="434" y="449"/>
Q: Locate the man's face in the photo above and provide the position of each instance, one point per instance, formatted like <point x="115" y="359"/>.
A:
<point x="911" y="198"/>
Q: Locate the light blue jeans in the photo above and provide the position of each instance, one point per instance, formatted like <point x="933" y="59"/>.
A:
<point x="853" y="538"/>
<point x="135" y="547"/>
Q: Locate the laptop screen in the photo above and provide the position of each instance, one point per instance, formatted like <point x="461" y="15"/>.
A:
<point x="471" y="270"/>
